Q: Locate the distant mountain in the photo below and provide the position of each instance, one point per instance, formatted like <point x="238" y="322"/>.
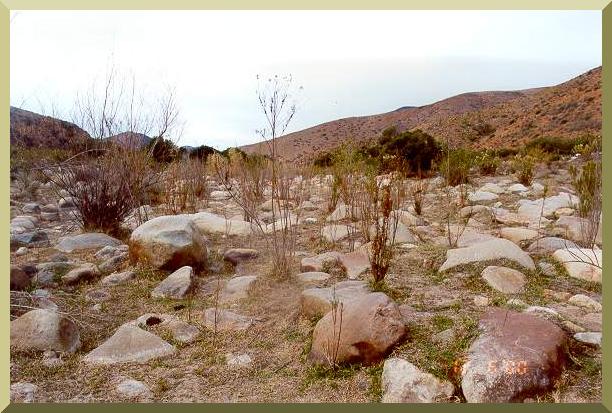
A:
<point x="478" y="119"/>
<point x="131" y="139"/>
<point x="33" y="130"/>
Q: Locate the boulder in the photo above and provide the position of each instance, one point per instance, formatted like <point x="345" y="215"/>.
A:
<point x="482" y="196"/>
<point x="503" y="279"/>
<point x="343" y="211"/>
<point x="489" y="250"/>
<point x="85" y="242"/>
<point x="579" y="229"/>
<point x="518" y="235"/>
<point x="516" y="356"/>
<point x="369" y="328"/>
<point x="169" y="242"/>
<point x="546" y="206"/>
<point x="403" y="382"/>
<point x="23" y="392"/>
<point x="42" y="330"/>
<point x="318" y="301"/>
<point x="224" y="320"/>
<point x="311" y="277"/>
<point x="239" y="255"/>
<point x="492" y="187"/>
<point x="29" y="239"/>
<point x="317" y="262"/>
<point x="584" y="301"/>
<point x="548" y="245"/>
<point x="516" y="188"/>
<point x="216" y="224"/>
<point x="581" y="263"/>
<point x="356" y="263"/>
<point x="112" y="264"/>
<point x="129" y="344"/>
<point x="177" y="285"/>
<point x="334" y="233"/>
<point x="593" y="338"/>
<point x="118" y="278"/>
<point x="31" y="208"/>
<point x="84" y="272"/>
<point x="133" y="389"/>
<point x="237" y="288"/>
<point x="20" y="280"/>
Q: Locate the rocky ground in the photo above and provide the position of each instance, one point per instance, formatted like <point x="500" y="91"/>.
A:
<point x="184" y="308"/>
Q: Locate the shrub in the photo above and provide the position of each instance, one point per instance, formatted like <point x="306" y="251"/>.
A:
<point x="523" y="166"/>
<point x="162" y="150"/>
<point x="587" y="182"/>
<point x="487" y="163"/>
<point x="456" y="166"/>
<point x="416" y="149"/>
<point x="107" y="188"/>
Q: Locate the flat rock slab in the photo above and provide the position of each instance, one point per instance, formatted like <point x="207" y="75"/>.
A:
<point x="371" y="326"/>
<point x="177" y="285"/>
<point x="518" y="235"/>
<point x="239" y="255"/>
<point x="516" y="356"/>
<point x="403" y="382"/>
<point x="494" y="249"/>
<point x="593" y="338"/>
<point x="546" y="206"/>
<point x="92" y="240"/>
<point x="224" y="320"/>
<point x="83" y="272"/>
<point x="211" y="223"/>
<point x="503" y="279"/>
<point x="131" y="389"/>
<point x="318" y="301"/>
<point x="317" y="262"/>
<point x="118" y="278"/>
<point x="482" y="196"/>
<point x="334" y="233"/>
<point x="548" y="245"/>
<point x="312" y="277"/>
<point x="582" y="263"/>
<point x="42" y="330"/>
<point x="129" y="344"/>
<point x="237" y="288"/>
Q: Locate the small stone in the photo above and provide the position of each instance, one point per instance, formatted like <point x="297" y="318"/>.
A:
<point x="403" y="382"/>
<point x="481" y="301"/>
<point x="177" y="285"/>
<point x="239" y="255"/>
<point x="312" y="277"/>
<point x="130" y="388"/>
<point x="237" y="288"/>
<point x="82" y="273"/>
<point x="21" y="251"/>
<point x="224" y="320"/>
<point x="239" y="360"/>
<point x="584" y="301"/>
<point x="589" y="338"/>
<point x="118" y="278"/>
<point x="23" y="392"/>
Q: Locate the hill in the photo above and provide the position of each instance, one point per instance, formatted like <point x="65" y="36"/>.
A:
<point x="33" y="130"/>
<point x="478" y="119"/>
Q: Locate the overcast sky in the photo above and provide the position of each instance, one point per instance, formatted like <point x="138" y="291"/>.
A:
<point x="349" y="63"/>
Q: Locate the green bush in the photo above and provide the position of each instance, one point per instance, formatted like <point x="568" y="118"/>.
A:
<point x="416" y="150"/>
<point x="560" y="145"/>
<point x="455" y="166"/>
<point x="487" y="163"/>
<point x="587" y="182"/>
<point x="523" y="167"/>
<point x="162" y="150"/>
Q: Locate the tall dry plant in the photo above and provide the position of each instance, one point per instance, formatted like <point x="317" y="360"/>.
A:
<point x="184" y="186"/>
<point x="105" y="189"/>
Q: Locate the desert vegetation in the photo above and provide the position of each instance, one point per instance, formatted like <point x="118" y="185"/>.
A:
<point x="395" y="269"/>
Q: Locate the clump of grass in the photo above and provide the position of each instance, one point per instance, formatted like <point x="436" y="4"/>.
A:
<point x="442" y="322"/>
<point x="375" y="390"/>
<point x="327" y="375"/>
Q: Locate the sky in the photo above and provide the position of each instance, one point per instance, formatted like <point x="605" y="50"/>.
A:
<point x="343" y="63"/>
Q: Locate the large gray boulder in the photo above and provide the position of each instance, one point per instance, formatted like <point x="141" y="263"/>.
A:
<point x="517" y="356"/>
<point x="86" y="241"/>
<point x="358" y="331"/>
<point x="129" y="344"/>
<point x="211" y="223"/>
<point x="42" y="330"/>
<point x="484" y="251"/>
<point x="169" y="242"/>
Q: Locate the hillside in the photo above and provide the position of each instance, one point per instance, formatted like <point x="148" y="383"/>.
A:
<point x="33" y="130"/>
<point x="131" y="139"/>
<point x="479" y="119"/>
